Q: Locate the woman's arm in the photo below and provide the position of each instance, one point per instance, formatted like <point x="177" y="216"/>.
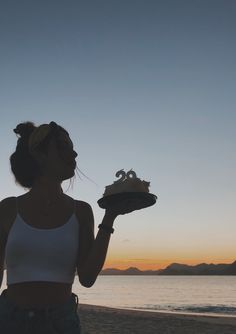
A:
<point x="92" y="251"/>
<point x="5" y="207"/>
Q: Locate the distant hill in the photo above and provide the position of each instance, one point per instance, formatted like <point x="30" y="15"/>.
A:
<point x="178" y="269"/>
<point x="200" y="269"/>
<point x="231" y="269"/>
<point x="129" y="271"/>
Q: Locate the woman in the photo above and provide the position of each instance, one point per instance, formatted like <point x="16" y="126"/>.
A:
<point x="47" y="236"/>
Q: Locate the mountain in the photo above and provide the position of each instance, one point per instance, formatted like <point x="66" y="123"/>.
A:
<point x="178" y="269"/>
<point x="129" y="271"/>
<point x="200" y="269"/>
<point x="231" y="269"/>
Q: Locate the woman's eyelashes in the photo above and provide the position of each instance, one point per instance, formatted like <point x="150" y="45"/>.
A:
<point x="67" y="151"/>
<point x="65" y="145"/>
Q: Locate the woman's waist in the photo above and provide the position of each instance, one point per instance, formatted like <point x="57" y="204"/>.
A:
<point x="38" y="294"/>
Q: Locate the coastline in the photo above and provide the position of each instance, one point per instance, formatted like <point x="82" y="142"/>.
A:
<point x="107" y="320"/>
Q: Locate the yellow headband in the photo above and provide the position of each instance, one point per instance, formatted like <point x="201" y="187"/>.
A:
<point x="38" y="135"/>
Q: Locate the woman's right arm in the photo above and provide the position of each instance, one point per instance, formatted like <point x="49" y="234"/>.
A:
<point x="4" y="209"/>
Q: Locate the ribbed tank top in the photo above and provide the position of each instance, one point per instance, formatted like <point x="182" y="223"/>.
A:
<point x="35" y="254"/>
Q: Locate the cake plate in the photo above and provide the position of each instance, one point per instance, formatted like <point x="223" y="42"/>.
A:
<point x="135" y="200"/>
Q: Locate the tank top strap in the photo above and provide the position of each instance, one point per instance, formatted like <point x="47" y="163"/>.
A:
<point x="16" y="205"/>
<point x="74" y="206"/>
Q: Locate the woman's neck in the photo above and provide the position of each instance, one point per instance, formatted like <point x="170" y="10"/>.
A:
<point x="46" y="190"/>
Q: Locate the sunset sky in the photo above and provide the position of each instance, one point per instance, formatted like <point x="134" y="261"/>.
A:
<point x="142" y="84"/>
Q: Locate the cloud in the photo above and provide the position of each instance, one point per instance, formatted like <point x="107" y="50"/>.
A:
<point x="126" y="240"/>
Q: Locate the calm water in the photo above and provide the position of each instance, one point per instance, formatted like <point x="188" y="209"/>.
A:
<point x="191" y="294"/>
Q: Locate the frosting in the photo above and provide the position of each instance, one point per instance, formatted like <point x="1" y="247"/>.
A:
<point x="128" y="182"/>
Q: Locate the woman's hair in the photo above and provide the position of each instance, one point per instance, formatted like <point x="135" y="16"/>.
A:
<point x="24" y="166"/>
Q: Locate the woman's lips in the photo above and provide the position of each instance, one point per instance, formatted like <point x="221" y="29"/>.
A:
<point x="73" y="164"/>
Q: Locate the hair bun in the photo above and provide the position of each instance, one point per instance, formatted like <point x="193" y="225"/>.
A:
<point x="24" y="129"/>
<point x="53" y="125"/>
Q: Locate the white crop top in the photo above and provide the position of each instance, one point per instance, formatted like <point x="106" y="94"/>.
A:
<point x="35" y="254"/>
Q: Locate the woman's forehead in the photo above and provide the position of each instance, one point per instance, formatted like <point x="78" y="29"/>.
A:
<point x="63" y="136"/>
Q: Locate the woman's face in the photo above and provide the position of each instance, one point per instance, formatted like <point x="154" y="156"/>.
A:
<point x="60" y="162"/>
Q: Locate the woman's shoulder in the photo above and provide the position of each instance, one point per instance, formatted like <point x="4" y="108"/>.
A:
<point x="7" y="211"/>
<point x="7" y="203"/>
<point x="83" y="205"/>
<point x="80" y="205"/>
<point x="84" y="213"/>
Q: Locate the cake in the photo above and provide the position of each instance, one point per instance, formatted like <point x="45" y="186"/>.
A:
<point x="128" y="182"/>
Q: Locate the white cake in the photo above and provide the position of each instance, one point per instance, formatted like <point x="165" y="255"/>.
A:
<point x="128" y="182"/>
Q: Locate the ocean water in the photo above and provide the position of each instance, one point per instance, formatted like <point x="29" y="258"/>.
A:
<point x="210" y="295"/>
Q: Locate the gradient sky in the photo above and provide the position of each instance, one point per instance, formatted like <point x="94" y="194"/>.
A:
<point x="148" y="85"/>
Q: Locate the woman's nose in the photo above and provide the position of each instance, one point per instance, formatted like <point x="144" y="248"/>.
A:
<point x="75" y="154"/>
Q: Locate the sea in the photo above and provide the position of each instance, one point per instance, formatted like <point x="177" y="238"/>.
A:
<point x="203" y="295"/>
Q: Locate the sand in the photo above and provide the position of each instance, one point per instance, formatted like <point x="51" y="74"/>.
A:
<point x="105" y="320"/>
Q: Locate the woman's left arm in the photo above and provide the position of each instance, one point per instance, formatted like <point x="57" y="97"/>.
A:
<point x="92" y="251"/>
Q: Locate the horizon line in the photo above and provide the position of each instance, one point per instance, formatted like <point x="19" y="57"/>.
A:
<point x="134" y="267"/>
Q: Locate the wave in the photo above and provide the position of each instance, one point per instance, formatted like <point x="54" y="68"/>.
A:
<point x="200" y="309"/>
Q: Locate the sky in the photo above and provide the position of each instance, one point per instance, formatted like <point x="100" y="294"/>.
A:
<point x="141" y="84"/>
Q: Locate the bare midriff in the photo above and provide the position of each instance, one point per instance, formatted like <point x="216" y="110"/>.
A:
<point x="38" y="294"/>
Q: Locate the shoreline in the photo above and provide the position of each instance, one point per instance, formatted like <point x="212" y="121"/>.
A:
<point x="172" y="312"/>
<point x="108" y="320"/>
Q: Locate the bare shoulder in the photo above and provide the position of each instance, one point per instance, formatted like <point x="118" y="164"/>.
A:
<point x="7" y="206"/>
<point x="6" y="202"/>
<point x="84" y="213"/>
<point x="7" y="213"/>
<point x="81" y="205"/>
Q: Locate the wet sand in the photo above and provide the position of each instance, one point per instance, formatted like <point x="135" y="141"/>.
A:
<point x="105" y="320"/>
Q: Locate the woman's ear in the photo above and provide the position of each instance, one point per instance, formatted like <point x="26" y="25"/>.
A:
<point x="40" y="157"/>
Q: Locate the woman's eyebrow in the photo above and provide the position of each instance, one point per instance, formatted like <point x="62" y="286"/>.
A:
<point x="68" y="141"/>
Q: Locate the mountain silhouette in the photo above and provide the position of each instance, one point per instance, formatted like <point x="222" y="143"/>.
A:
<point x="200" y="269"/>
<point x="231" y="269"/>
<point x="129" y="271"/>
<point x="178" y="269"/>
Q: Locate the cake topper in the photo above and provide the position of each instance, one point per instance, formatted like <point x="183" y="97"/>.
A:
<point x="129" y="175"/>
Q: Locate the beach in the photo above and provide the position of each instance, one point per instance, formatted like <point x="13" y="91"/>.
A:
<point x="105" y="320"/>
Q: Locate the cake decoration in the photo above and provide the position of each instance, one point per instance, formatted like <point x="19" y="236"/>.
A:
<point x="128" y="182"/>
